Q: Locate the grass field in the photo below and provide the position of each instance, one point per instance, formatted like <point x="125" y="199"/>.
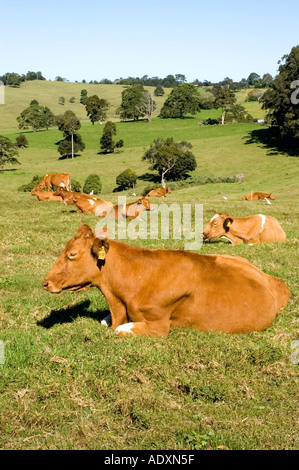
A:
<point x="70" y="383"/>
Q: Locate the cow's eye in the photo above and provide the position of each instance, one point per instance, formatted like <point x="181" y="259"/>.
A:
<point x="215" y="223"/>
<point x="72" y="255"/>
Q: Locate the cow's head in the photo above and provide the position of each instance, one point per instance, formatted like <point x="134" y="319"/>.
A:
<point x="78" y="265"/>
<point x="34" y="191"/>
<point x="146" y="203"/>
<point x="271" y="197"/>
<point x="168" y="190"/>
<point x="217" y="227"/>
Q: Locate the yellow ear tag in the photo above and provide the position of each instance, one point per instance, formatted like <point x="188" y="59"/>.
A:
<point x="228" y="223"/>
<point x="102" y="253"/>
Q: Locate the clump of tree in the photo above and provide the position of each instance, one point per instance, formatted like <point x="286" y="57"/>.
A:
<point x="238" y="113"/>
<point x="83" y="96"/>
<point x="158" y="91"/>
<point x="127" y="179"/>
<point x="21" y="141"/>
<point x="96" y="108"/>
<point x="106" y="142"/>
<point x="255" y="95"/>
<point x="72" y="143"/>
<point x="8" y="152"/>
<point x="92" y="184"/>
<point x="281" y="99"/>
<point x="14" y="79"/>
<point x="184" y="99"/>
<point x="36" y="116"/>
<point x="170" y="159"/>
<point x="224" y="99"/>
<point x="130" y="103"/>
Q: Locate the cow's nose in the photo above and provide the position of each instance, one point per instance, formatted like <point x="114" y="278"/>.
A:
<point x="45" y="284"/>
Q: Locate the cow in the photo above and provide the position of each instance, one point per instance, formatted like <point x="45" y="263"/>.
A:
<point x="258" y="196"/>
<point x="69" y="196"/>
<point x="55" y="179"/>
<point x="159" y="192"/>
<point x="149" y="291"/>
<point x="252" y="230"/>
<point x="131" y="211"/>
<point x="45" y="195"/>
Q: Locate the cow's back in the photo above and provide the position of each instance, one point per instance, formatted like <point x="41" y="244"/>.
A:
<point x="272" y="231"/>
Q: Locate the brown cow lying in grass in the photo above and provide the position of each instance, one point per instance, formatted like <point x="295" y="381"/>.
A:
<point x="253" y="230"/>
<point x="132" y="210"/>
<point x="159" y="192"/>
<point x="45" y="195"/>
<point x="149" y="291"/>
<point x="83" y="202"/>
<point x="257" y="196"/>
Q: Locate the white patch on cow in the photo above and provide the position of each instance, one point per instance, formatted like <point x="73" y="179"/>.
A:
<point x="126" y="328"/>
<point x="267" y="201"/>
<point x="47" y="175"/>
<point x="91" y="202"/>
<point x="214" y="217"/>
<point x="62" y="185"/>
<point x="263" y="221"/>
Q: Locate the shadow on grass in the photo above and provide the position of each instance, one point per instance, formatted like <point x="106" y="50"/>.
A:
<point x="71" y="313"/>
<point x="153" y="178"/>
<point x="269" y="139"/>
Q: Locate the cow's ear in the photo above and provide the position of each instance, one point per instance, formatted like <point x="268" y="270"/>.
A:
<point x="99" y="248"/>
<point x="227" y="223"/>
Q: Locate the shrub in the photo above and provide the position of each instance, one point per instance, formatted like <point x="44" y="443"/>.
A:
<point x="92" y="183"/>
<point x="210" y="122"/>
<point x="76" y="186"/>
<point x="29" y="186"/>
<point x="126" y="179"/>
<point x="21" y="141"/>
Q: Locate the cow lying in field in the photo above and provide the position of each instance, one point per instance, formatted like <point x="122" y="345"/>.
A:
<point x="253" y="230"/>
<point x="159" y="192"/>
<point x="83" y="202"/>
<point x="149" y="291"/>
<point x="132" y="210"/>
<point x="45" y="195"/>
<point x="56" y="180"/>
<point x="257" y="196"/>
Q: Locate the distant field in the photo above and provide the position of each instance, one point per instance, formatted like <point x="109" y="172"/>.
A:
<point x="70" y="383"/>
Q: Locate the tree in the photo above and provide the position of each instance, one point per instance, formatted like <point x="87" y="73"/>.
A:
<point x="182" y="100"/>
<point x="253" y="79"/>
<point x="69" y="124"/>
<point x="147" y="105"/>
<point x="8" y="152"/>
<point x="167" y="156"/>
<point x="224" y="99"/>
<point x="96" y="108"/>
<point x="126" y="179"/>
<point x="11" y="79"/>
<point x="37" y="117"/>
<point x="106" y="141"/>
<point x="61" y="100"/>
<point x="131" y="97"/>
<point x="158" y="91"/>
<point x="83" y="98"/>
<point x="281" y="99"/>
<point x="92" y="183"/>
<point x="21" y="141"/>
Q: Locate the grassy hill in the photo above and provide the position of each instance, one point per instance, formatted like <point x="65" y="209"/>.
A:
<point x="70" y="383"/>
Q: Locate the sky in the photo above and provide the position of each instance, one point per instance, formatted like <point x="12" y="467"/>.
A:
<point x="93" y="40"/>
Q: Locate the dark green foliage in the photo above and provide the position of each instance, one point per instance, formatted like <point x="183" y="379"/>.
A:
<point x="210" y="122"/>
<point x="106" y="141"/>
<point x="21" y="141"/>
<point x="170" y="158"/>
<point x="96" y="108"/>
<point x="119" y="144"/>
<point x="281" y="100"/>
<point x="65" y="146"/>
<point x="8" y="152"/>
<point x="182" y="100"/>
<point x="29" y="186"/>
<point x="76" y="186"/>
<point x="131" y="97"/>
<point x="69" y="124"/>
<point x="126" y="179"/>
<point x="83" y="98"/>
<point x="238" y="114"/>
<point x="159" y="91"/>
<point x="92" y="183"/>
<point x="37" y="117"/>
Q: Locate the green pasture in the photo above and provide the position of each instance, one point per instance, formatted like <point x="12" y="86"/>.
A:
<point x="68" y="382"/>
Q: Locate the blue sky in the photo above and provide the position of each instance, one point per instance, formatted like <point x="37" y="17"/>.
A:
<point x="93" y="40"/>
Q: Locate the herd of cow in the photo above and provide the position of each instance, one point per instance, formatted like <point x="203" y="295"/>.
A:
<point x="149" y="291"/>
